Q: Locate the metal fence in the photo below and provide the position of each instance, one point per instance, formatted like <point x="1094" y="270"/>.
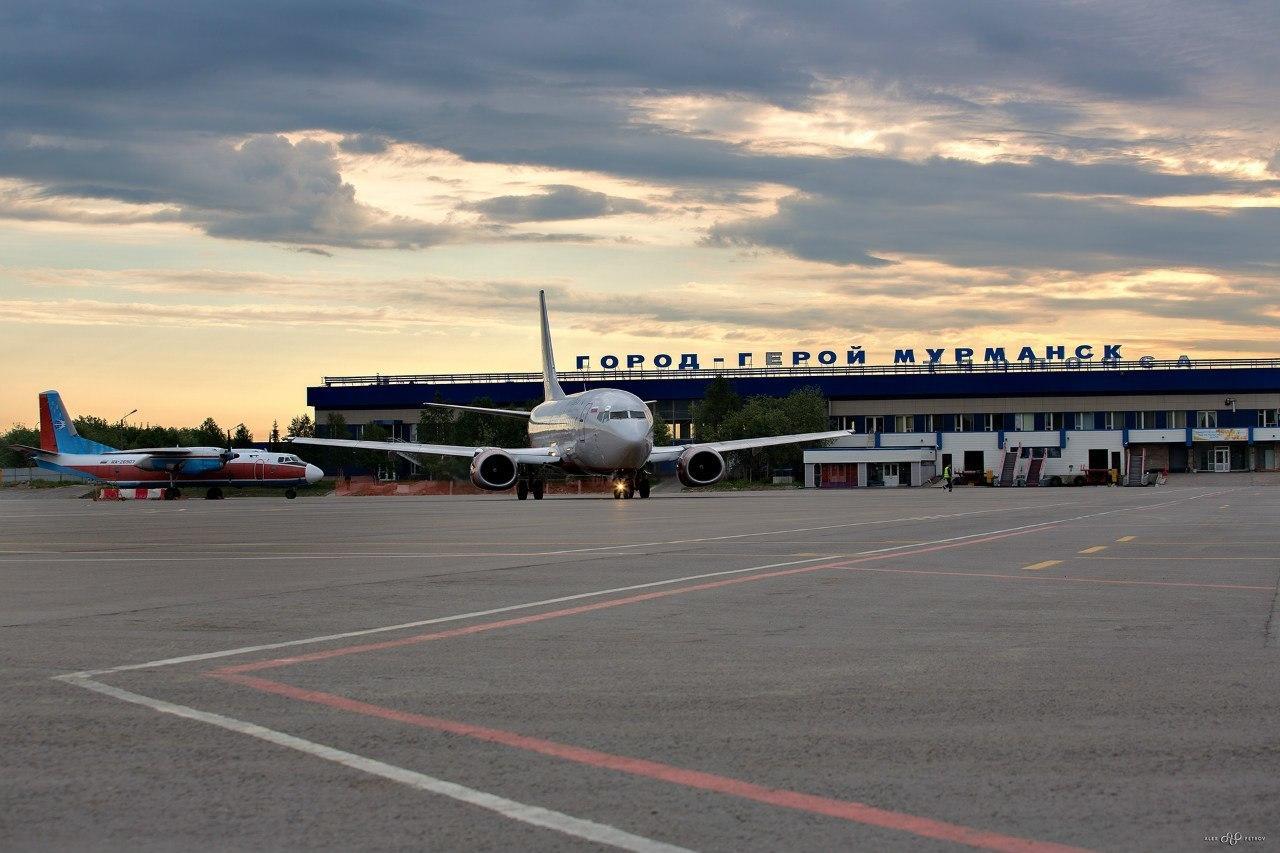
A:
<point x="26" y="475"/>
<point x="1111" y="365"/>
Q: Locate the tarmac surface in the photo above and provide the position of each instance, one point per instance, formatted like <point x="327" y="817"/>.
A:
<point x="1020" y="669"/>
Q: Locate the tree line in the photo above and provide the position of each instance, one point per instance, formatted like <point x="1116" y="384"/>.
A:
<point x="723" y="415"/>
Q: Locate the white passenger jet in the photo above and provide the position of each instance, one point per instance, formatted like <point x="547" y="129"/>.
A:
<point x="603" y="431"/>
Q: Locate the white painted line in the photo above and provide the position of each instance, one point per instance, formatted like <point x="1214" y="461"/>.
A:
<point x="594" y="594"/>
<point x="243" y="650"/>
<point x="808" y="529"/>
<point x="588" y="830"/>
<point x="596" y="548"/>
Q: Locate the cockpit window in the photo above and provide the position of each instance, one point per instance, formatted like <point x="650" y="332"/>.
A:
<point x="289" y="460"/>
<point x="619" y="416"/>
<point x="638" y="415"/>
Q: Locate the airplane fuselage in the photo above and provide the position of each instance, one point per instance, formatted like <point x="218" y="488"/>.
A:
<point x="205" y="467"/>
<point x="601" y="431"/>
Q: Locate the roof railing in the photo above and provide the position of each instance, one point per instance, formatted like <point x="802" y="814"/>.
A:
<point x="1004" y="367"/>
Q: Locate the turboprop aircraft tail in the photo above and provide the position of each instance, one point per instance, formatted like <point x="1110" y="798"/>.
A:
<point x="551" y="389"/>
<point x="57" y="430"/>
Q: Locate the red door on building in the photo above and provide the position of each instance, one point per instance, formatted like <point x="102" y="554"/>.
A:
<point x="839" y="475"/>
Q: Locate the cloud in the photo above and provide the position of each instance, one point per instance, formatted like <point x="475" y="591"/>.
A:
<point x="1055" y="116"/>
<point x="557" y="202"/>
<point x="265" y="189"/>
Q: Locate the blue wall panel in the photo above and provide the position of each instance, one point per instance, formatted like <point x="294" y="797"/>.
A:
<point x="1015" y="383"/>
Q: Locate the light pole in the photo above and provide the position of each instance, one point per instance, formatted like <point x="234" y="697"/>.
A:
<point x="122" y="417"/>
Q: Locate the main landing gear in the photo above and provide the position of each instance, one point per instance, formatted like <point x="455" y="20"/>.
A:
<point x="535" y="486"/>
<point x="631" y="483"/>
<point x="214" y="494"/>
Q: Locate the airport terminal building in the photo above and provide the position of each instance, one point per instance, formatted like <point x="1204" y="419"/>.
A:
<point x="1037" y="422"/>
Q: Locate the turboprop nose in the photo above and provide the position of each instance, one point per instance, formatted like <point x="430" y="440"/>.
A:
<point x="313" y="474"/>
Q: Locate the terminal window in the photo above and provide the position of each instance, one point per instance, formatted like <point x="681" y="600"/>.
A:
<point x="992" y="423"/>
<point x="1024" y="421"/>
<point x="964" y="423"/>
<point x="1207" y="419"/>
<point x="904" y="423"/>
<point x="1053" y="420"/>
<point x="1115" y="420"/>
<point x="1083" y="420"/>
<point x="875" y="423"/>
<point x="1267" y="417"/>
<point x="929" y="424"/>
<point x="1144" y="420"/>
<point x="1175" y="419"/>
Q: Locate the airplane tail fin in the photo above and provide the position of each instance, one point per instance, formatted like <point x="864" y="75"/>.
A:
<point x="551" y="389"/>
<point x="57" y="430"/>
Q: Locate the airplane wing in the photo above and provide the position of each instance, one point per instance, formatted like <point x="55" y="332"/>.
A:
<point x="506" y="413"/>
<point x="524" y="455"/>
<point x="162" y="452"/>
<point x="672" y="452"/>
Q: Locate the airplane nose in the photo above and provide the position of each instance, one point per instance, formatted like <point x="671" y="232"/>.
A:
<point x="314" y="474"/>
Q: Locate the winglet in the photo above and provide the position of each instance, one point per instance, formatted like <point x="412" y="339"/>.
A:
<point x="551" y="389"/>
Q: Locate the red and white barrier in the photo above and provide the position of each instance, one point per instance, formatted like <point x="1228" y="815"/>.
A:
<point x="111" y="493"/>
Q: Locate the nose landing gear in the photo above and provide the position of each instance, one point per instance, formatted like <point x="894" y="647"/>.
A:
<point x="631" y="483"/>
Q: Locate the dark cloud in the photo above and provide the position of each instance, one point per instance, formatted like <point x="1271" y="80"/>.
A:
<point x="557" y="202"/>
<point x="363" y="143"/>
<point x="141" y="102"/>
<point x="266" y="189"/>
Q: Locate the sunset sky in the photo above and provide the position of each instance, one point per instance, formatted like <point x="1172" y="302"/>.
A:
<point x="206" y="206"/>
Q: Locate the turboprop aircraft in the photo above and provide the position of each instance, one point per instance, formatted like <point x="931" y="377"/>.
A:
<point x="602" y="431"/>
<point x="211" y="468"/>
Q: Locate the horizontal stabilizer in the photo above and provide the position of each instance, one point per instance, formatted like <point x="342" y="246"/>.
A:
<point x="34" y="451"/>
<point x="524" y="455"/>
<point x="673" y="452"/>
<point x="505" y="413"/>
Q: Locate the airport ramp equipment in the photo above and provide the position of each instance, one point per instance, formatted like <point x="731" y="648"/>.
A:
<point x="1033" y="471"/>
<point x="1008" y="465"/>
<point x="1135" y="470"/>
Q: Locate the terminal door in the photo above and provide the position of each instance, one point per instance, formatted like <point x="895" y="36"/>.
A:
<point x="1221" y="459"/>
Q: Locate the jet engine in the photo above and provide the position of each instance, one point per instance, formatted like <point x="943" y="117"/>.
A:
<point x="699" y="466"/>
<point x="494" y="470"/>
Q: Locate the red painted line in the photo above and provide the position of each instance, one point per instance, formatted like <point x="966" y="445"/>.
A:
<point x="1062" y="579"/>
<point x="849" y="810"/>
<point x="273" y="663"/>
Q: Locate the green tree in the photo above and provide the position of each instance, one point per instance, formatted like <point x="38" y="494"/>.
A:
<point x="209" y="434"/>
<point x="717" y="404"/>
<point x="335" y="425"/>
<point x="803" y="410"/>
<point x="661" y="430"/>
<point x="374" y="459"/>
<point x="242" y="437"/>
<point x="275" y="432"/>
<point x="435" y="425"/>
<point x="302" y="426"/>
<point x="17" y="434"/>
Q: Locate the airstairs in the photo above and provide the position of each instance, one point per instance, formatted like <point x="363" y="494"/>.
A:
<point x="1009" y="465"/>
